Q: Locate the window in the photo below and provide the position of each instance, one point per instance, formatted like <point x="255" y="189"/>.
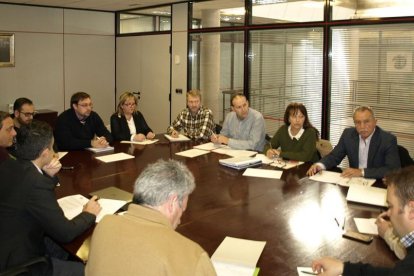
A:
<point x="217" y="67"/>
<point x="145" y="20"/>
<point x="218" y="13"/>
<point x="372" y="65"/>
<point x="286" y="66"/>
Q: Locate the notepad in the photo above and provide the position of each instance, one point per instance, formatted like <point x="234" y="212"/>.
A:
<point x="263" y="173"/>
<point x="209" y="146"/>
<point x="336" y="178"/>
<point x="97" y="150"/>
<point x="145" y="142"/>
<point x="233" y="152"/>
<point x="241" y="162"/>
<point x="73" y="206"/>
<point x="115" y="157"/>
<point x="285" y="164"/>
<point x="367" y="195"/>
<point x="179" y="139"/>
<point x="366" y="226"/>
<point x="237" y="257"/>
<point x="192" y="153"/>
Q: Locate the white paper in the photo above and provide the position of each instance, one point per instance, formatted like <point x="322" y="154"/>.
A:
<point x="234" y="153"/>
<point x="114" y="157"/>
<point x="366" y="226"/>
<point x="97" y="150"/>
<point x="73" y="206"/>
<point x="263" y="173"/>
<point x="265" y="160"/>
<point x="336" y="178"/>
<point x="237" y="256"/>
<point x="367" y="195"/>
<point x="145" y="142"/>
<point x="179" y="139"/>
<point x="208" y="146"/>
<point x="286" y="164"/>
<point x="302" y="269"/>
<point x="61" y="154"/>
<point x="192" y="153"/>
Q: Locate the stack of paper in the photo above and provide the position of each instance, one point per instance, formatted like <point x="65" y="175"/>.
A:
<point x="209" y="146"/>
<point x="73" y="205"/>
<point x="366" y="226"/>
<point x="240" y="163"/>
<point x="367" y="195"/>
<point x="192" y="153"/>
<point x="114" y="157"/>
<point x="263" y="173"/>
<point x="180" y="138"/>
<point x="336" y="178"/>
<point x="237" y="257"/>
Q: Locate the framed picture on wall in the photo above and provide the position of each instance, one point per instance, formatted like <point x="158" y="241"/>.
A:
<point x="6" y="50"/>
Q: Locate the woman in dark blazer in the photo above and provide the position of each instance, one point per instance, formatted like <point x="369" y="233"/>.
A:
<point x="128" y="123"/>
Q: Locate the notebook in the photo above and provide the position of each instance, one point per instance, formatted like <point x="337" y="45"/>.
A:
<point x="241" y="162"/>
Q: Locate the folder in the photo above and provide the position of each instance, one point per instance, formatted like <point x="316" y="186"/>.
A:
<point x="241" y="162"/>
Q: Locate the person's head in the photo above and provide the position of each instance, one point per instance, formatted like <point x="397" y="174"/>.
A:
<point x="400" y="199"/>
<point x="296" y="116"/>
<point x="7" y="131"/>
<point x="35" y="141"/>
<point x="364" y="120"/>
<point x="24" y="111"/>
<point x="194" y="100"/>
<point x="165" y="186"/>
<point x="81" y="103"/>
<point x="240" y="105"/>
<point x="127" y="104"/>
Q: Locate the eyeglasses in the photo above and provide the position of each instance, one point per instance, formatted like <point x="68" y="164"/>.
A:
<point x="86" y="105"/>
<point x="28" y="114"/>
<point x="129" y="104"/>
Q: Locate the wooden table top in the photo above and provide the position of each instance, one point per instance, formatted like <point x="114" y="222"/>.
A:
<point x="296" y="216"/>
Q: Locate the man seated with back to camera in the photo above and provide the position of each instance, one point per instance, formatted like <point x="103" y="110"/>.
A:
<point x="29" y="212"/>
<point x="143" y="241"/>
<point x="80" y="127"/>
<point x="372" y="152"/>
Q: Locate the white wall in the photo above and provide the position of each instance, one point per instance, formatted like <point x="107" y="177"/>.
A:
<point x="58" y="52"/>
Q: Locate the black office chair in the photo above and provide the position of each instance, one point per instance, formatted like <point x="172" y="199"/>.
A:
<point x="405" y="157"/>
<point x="26" y="268"/>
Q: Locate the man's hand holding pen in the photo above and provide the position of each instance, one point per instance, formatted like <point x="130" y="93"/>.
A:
<point x="53" y="167"/>
<point x="99" y="142"/>
<point x="92" y="206"/>
<point x="219" y="139"/>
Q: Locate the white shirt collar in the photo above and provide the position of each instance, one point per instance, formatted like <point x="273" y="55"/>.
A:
<point x="298" y="135"/>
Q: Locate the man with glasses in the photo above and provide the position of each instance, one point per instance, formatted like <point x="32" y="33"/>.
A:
<point x="23" y="110"/>
<point x="80" y="127"/>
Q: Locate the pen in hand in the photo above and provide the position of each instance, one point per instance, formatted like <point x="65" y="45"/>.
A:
<point x="308" y="272"/>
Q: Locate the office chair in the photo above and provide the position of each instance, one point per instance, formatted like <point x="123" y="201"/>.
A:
<point x="405" y="157"/>
<point x="324" y="147"/>
<point x="25" y="268"/>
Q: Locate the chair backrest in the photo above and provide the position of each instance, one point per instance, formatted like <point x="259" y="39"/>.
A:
<point x="324" y="147"/>
<point x="405" y="157"/>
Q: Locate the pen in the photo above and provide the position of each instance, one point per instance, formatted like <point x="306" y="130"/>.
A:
<point x="337" y="222"/>
<point x="68" y="167"/>
<point x="308" y="272"/>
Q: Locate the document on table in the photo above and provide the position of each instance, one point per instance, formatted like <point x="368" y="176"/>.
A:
<point x="61" y="154"/>
<point x="286" y="164"/>
<point x="179" y="139"/>
<point x="97" y="150"/>
<point x="336" y="178"/>
<point x="237" y="257"/>
<point x="192" y="153"/>
<point x="115" y="157"/>
<point x="233" y="152"/>
<point x="305" y="271"/>
<point x="145" y="142"/>
<point x="265" y="160"/>
<point x="263" y="173"/>
<point x="367" y="195"/>
<point x="366" y="226"/>
<point x="208" y="146"/>
<point x="73" y="206"/>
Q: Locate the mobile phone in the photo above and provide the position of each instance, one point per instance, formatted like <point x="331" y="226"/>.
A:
<point x="358" y="236"/>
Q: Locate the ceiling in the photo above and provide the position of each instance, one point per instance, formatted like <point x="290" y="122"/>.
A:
<point x="100" y="5"/>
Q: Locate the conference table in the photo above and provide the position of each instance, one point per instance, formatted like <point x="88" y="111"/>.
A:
<point x="299" y="219"/>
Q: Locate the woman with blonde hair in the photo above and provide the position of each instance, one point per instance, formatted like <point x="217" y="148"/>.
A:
<point x="296" y="139"/>
<point x="128" y="123"/>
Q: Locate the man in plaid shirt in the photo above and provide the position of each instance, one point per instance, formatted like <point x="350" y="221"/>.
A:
<point x="195" y="121"/>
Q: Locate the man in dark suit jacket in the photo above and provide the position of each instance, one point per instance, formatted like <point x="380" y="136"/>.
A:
<point x="28" y="207"/>
<point x="79" y="127"/>
<point x="371" y="151"/>
<point x="7" y="134"/>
